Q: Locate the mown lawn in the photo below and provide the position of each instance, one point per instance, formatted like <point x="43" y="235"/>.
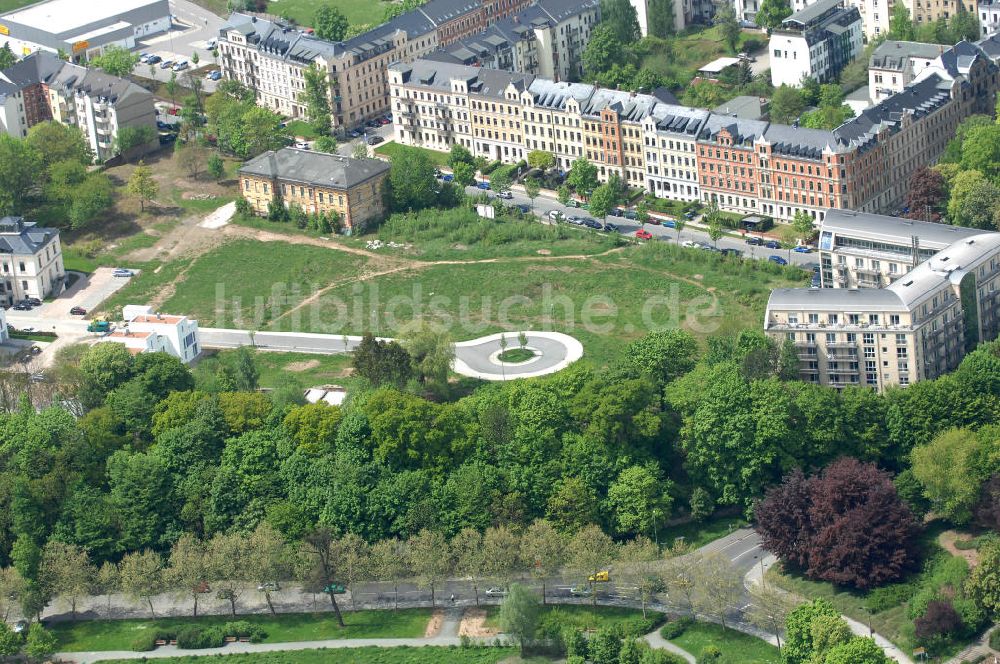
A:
<point x="692" y="50"/>
<point x="404" y="655"/>
<point x="96" y="635"/>
<point x="392" y="149"/>
<point x="736" y="647"/>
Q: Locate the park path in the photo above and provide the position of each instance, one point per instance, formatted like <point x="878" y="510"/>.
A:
<point x="756" y="577"/>
<point x="655" y="640"/>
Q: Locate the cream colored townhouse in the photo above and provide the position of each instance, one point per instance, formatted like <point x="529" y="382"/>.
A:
<point x="671" y="134"/>
<point x="31" y="261"/>
<point x="917" y="327"/>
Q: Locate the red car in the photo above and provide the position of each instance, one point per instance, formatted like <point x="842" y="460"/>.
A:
<point x="643" y="234"/>
<point x="78" y="311"/>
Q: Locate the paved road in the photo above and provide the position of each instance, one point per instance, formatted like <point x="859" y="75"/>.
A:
<point x="475" y="358"/>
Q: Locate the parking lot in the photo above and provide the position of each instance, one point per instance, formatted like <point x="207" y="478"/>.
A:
<point x="193" y="28"/>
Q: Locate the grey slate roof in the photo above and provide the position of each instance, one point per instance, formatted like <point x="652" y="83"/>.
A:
<point x="314" y="168"/>
<point x="46" y="67"/>
<point x="799" y="141"/>
<point x="748" y="107"/>
<point x="23" y="238"/>
<point x="920" y="98"/>
<point x="991" y="46"/>
<point x="742" y="130"/>
<point x="812" y="12"/>
<point x="895" y="54"/>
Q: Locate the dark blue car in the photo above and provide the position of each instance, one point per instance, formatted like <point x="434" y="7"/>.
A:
<point x="777" y="259"/>
<point x="483" y="185"/>
<point x="772" y="244"/>
<point x="448" y="177"/>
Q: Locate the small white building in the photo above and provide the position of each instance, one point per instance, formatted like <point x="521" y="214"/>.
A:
<point x="815" y="42"/>
<point x="31" y="261"/>
<point x="147" y="331"/>
<point x="989" y="17"/>
<point x="894" y="64"/>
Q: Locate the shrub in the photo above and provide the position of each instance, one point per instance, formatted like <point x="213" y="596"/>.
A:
<point x="939" y="620"/>
<point x="675" y="628"/>
<point x="709" y="655"/>
<point x="966" y="544"/>
<point x="244" y="629"/>
<point x="639" y="626"/>
<point x="995" y="639"/>
<point x="144" y="642"/>
<point x="193" y="637"/>
<point x="575" y="659"/>
<point x="574" y="641"/>
<point x="891" y="596"/>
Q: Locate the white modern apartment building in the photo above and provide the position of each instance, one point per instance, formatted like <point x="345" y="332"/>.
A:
<point x="546" y="38"/>
<point x="816" y="42"/>
<point x="82" y="29"/>
<point x="685" y="13"/>
<point x="31" y="261"/>
<point x="895" y="64"/>
<point x="41" y="87"/>
<point x="912" y="324"/>
<point x="989" y="17"/>
<point x="148" y="331"/>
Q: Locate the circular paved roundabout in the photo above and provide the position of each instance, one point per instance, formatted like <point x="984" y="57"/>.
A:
<point x="552" y="351"/>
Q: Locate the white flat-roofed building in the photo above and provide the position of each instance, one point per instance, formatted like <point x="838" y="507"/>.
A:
<point x="82" y="28"/>
<point x="148" y="331"/>
<point x="817" y="42"/>
<point x="918" y="327"/>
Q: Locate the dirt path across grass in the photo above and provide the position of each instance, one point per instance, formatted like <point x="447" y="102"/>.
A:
<point x="947" y="541"/>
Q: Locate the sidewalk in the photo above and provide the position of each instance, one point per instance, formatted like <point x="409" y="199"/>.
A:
<point x="756" y="576"/>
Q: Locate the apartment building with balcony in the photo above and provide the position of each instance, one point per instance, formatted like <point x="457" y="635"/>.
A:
<point x="41" y="87"/>
<point x="860" y="250"/>
<point x="147" y="331"/>
<point x="894" y="64"/>
<point x="817" y="42"/>
<point x="917" y="327"/>
<point x="744" y="165"/>
<point x="271" y="56"/>
<point x="989" y="17"/>
<point x="546" y="38"/>
<point x="31" y="261"/>
<point x="318" y="183"/>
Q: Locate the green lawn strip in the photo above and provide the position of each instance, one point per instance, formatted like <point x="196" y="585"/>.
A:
<point x="141" y="288"/>
<point x="605" y="301"/>
<point x="402" y="655"/>
<point x="587" y="618"/>
<point x="302" y="129"/>
<point x="97" y="635"/>
<point x="736" y="647"/>
<point x="698" y="534"/>
<point x="303" y="370"/>
<point x="688" y="52"/>
<point x="392" y="149"/>
<point x="32" y="336"/>
<point x="247" y="284"/>
<point x="74" y="259"/>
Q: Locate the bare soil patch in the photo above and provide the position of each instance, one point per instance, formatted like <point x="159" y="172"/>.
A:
<point x="302" y="366"/>
<point x="474" y="624"/>
<point x="434" y="624"/>
<point x="947" y="541"/>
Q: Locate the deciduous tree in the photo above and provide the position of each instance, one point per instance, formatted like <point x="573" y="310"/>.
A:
<point x="772" y="13"/>
<point x="729" y="27"/>
<point x="187" y="569"/>
<point x="67" y="570"/>
<point x="589" y="552"/>
<point x="141" y="185"/>
<point x="926" y="193"/>
<point x="116" y="61"/>
<point x="519" y="614"/>
<point x="330" y="23"/>
<point x="142" y="576"/>
<point x="429" y="559"/>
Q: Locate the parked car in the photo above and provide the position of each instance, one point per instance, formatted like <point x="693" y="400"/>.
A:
<point x="372" y="123"/>
<point x="33" y="301"/>
<point x="270" y="586"/>
<point x="815" y="282"/>
<point x="355" y="133"/>
<point x="746" y="56"/>
<point x="144" y="57"/>
<point x="736" y="253"/>
<point x="21" y="307"/>
<point x="166" y="139"/>
<point x="754" y="241"/>
<point x="166" y="64"/>
<point x="772" y="244"/>
<point x="505" y="194"/>
<point x="618" y="212"/>
<point x="483" y="185"/>
<point x="302" y="145"/>
<point x="669" y="223"/>
<point x="581" y="591"/>
<point x="375" y="140"/>
<point x="612" y="228"/>
<point x="690" y="215"/>
<point x="802" y="249"/>
<point x="385" y="121"/>
<point x="589" y="222"/>
<point x="496" y="591"/>
<point x="20" y="626"/>
<point x="211" y="43"/>
<point x="643" y="234"/>
<point x="601" y="577"/>
<point x="556" y="215"/>
<point x="100" y="326"/>
<point x="631" y="214"/>
<point x="447" y="177"/>
<point x="524" y="207"/>
<point x="777" y="259"/>
<point x="78" y="311"/>
<point x="690" y="244"/>
<point x="573" y="219"/>
<point x="153" y="59"/>
<point x="215" y="75"/>
<point x="122" y="272"/>
<point x="181" y="65"/>
<point x="35" y="350"/>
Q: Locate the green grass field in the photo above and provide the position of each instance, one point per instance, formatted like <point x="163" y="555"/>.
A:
<point x="736" y="647"/>
<point x="391" y="149"/>
<point x="282" y="369"/>
<point x="689" y="51"/>
<point x="404" y="655"/>
<point x="91" y="635"/>
<point x="604" y="301"/>
<point x="261" y="279"/>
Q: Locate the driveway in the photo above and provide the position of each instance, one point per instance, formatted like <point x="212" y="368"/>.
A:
<point x="88" y="291"/>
